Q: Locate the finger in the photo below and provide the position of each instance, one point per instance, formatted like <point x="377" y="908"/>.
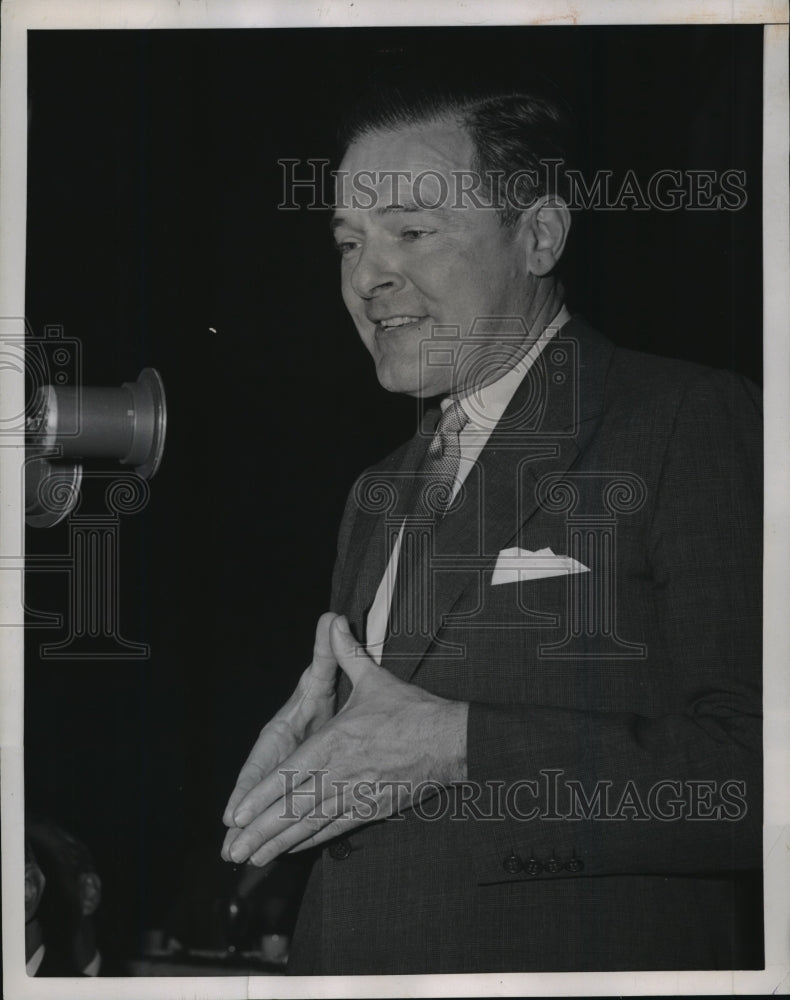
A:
<point x="352" y="657"/>
<point x="264" y="757"/>
<point x="250" y="776"/>
<point x="230" y="836"/>
<point x="310" y="827"/>
<point x="307" y="762"/>
<point x="268" y="750"/>
<point x="324" y="663"/>
<point x="310" y="807"/>
<point x="236" y="796"/>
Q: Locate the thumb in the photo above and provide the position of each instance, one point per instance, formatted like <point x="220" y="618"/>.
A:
<point x="324" y="663"/>
<point x="352" y="657"/>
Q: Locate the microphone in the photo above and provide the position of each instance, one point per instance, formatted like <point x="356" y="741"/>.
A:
<point x="127" y="424"/>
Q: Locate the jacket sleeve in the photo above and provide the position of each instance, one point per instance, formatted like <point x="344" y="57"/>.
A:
<point x="678" y="792"/>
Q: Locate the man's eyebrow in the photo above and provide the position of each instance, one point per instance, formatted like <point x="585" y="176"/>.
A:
<point x="405" y="207"/>
<point x="408" y="206"/>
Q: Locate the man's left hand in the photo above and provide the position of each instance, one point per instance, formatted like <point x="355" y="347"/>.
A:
<point x="369" y="761"/>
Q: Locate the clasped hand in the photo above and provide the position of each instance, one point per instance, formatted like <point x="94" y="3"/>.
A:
<point x="313" y="774"/>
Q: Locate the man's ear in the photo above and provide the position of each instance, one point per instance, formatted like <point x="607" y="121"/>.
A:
<point x="544" y="231"/>
<point x="90" y="893"/>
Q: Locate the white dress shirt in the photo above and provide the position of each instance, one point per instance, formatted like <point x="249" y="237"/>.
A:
<point x="484" y="408"/>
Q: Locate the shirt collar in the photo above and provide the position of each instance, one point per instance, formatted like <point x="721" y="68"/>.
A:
<point x="484" y="406"/>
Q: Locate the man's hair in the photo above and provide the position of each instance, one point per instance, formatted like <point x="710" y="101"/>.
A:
<point x="519" y="128"/>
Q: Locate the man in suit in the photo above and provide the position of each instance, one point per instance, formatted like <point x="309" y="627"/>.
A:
<point x="545" y="606"/>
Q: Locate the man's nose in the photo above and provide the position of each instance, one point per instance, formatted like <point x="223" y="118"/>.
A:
<point x="375" y="272"/>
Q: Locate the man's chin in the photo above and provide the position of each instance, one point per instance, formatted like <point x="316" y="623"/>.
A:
<point x="405" y="382"/>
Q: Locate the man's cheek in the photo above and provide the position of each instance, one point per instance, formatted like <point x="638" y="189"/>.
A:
<point x="368" y="337"/>
<point x="350" y="299"/>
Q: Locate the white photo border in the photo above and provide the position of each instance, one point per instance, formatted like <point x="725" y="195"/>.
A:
<point x="18" y="16"/>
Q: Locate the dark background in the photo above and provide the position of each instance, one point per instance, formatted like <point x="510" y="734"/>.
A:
<point x="153" y="186"/>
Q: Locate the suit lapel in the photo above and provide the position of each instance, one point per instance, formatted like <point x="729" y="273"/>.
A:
<point x="383" y="497"/>
<point x="547" y="424"/>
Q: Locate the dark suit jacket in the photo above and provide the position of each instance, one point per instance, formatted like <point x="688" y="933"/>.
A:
<point x="639" y="681"/>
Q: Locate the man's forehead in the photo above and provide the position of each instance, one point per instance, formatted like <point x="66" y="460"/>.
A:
<point x="403" y="170"/>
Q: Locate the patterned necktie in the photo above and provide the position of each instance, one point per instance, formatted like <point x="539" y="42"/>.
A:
<point x="412" y="599"/>
<point x="437" y="474"/>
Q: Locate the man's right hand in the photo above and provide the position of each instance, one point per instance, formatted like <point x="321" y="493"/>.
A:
<point x="310" y="706"/>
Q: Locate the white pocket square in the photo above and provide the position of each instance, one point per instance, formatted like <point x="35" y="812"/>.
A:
<point x="517" y="565"/>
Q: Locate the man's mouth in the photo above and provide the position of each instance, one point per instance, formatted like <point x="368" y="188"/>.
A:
<point x="398" y="322"/>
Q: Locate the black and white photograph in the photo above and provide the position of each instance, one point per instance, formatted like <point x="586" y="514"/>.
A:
<point x="393" y="438"/>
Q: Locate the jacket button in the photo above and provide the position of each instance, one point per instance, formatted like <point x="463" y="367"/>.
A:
<point x="340" y="850"/>
<point x="533" y="867"/>
<point x="574" y="865"/>
<point x="553" y="866"/>
<point x="512" y="864"/>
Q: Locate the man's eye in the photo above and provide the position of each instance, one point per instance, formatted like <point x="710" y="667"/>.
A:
<point x="415" y="234"/>
<point x="344" y="247"/>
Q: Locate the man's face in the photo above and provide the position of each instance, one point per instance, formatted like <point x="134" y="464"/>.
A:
<point x="407" y="269"/>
